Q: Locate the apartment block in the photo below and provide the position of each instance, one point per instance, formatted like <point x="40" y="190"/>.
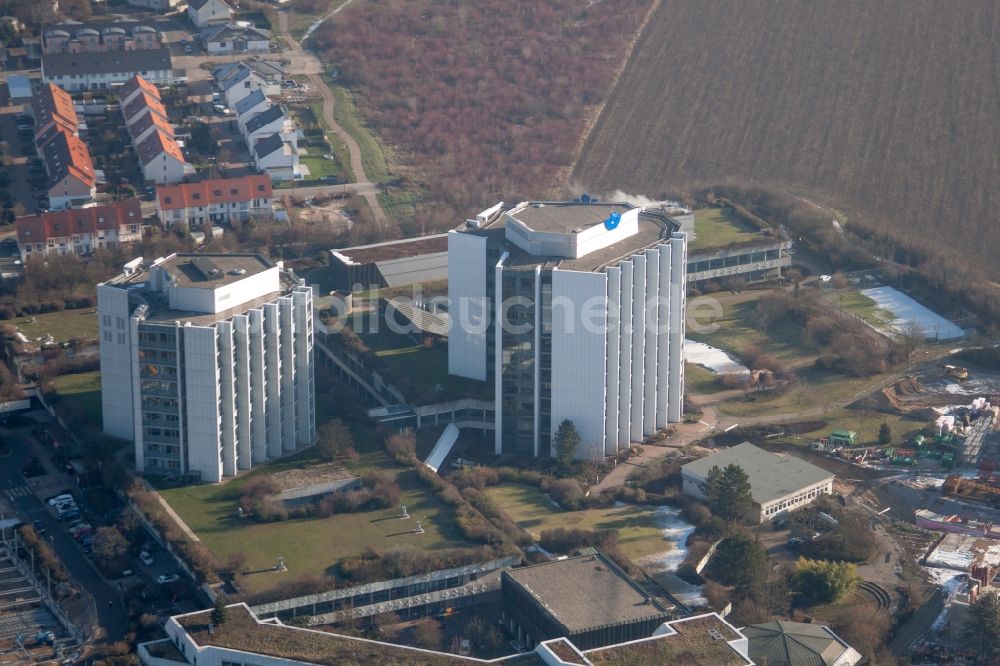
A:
<point x="207" y="363"/>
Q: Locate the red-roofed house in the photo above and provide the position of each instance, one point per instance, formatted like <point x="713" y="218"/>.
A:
<point x="152" y="135"/>
<point x="53" y="107"/>
<point x="72" y="180"/>
<point x="79" y="230"/>
<point x="142" y="103"/>
<point x="131" y="89"/>
<point x="161" y="158"/>
<point x="217" y="201"/>
<point x="146" y="124"/>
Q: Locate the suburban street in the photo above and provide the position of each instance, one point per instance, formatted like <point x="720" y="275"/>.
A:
<point x="21" y="493"/>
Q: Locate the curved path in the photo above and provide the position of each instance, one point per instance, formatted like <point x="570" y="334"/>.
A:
<point x="313" y="67"/>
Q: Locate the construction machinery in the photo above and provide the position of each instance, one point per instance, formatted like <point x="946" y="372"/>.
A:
<point x="955" y="372"/>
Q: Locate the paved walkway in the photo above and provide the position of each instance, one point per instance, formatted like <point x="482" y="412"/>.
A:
<point x="313" y="67"/>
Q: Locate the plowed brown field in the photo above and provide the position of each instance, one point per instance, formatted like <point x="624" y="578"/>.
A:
<point x="886" y="109"/>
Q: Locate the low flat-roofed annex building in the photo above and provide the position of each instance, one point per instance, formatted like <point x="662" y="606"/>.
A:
<point x="397" y="263"/>
<point x="207" y="363"/>
<point x="778" y="483"/>
<point x="702" y="640"/>
<point x="587" y="599"/>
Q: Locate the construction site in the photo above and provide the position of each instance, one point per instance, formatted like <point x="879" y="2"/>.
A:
<point x="940" y="487"/>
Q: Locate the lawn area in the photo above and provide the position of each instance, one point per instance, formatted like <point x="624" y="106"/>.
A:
<point x="638" y="534"/>
<point x="372" y="152"/>
<point x="737" y="330"/>
<point x="904" y="429"/>
<point x="312" y="546"/>
<point x="817" y="388"/>
<point x="62" y="325"/>
<point x="861" y="306"/>
<point x="718" y="227"/>
<point x="319" y="167"/>
<point x="699" y="380"/>
<point x="400" y="205"/>
<point x="80" y="400"/>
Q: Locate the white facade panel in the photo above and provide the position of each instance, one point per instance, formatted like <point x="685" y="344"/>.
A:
<point x="651" y="322"/>
<point x="612" y="362"/>
<point x="663" y="339"/>
<point x="578" y="372"/>
<point x="243" y="417"/>
<point x="471" y="315"/>
<point x="116" y="361"/>
<point x="201" y="386"/>
<point x="227" y="398"/>
<point x="678" y="311"/>
<point x="638" y="340"/>
<point x="625" y="357"/>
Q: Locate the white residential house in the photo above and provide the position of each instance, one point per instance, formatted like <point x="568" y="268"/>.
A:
<point x="242" y="80"/>
<point x="236" y="37"/>
<point x="273" y="120"/>
<point x="161" y="159"/>
<point x="102" y="70"/>
<point x="278" y="157"/>
<point x="204" y="13"/>
<point x="250" y="106"/>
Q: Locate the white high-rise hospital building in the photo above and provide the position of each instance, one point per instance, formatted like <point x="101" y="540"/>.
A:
<point x="207" y="363"/>
<point x="574" y="311"/>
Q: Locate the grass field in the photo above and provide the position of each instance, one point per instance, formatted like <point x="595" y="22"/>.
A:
<point x="372" y="152"/>
<point x="718" y="227"/>
<point x="401" y="206"/>
<point x="699" y="380"/>
<point x="63" y="325"/>
<point x="737" y="331"/>
<point x="311" y="546"/>
<point x="849" y="104"/>
<point x="81" y="396"/>
<point x="638" y="535"/>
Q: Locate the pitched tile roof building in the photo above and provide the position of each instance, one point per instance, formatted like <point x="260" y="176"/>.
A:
<point x="79" y="230"/>
<point x="71" y="176"/>
<point x="152" y="135"/>
<point x="217" y="201"/>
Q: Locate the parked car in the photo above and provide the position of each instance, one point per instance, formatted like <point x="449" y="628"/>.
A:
<point x="166" y="579"/>
<point x="221" y="109"/>
<point x="59" y="499"/>
<point x="146" y="558"/>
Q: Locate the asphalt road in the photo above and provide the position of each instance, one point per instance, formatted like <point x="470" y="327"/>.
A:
<point x="20" y="492"/>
